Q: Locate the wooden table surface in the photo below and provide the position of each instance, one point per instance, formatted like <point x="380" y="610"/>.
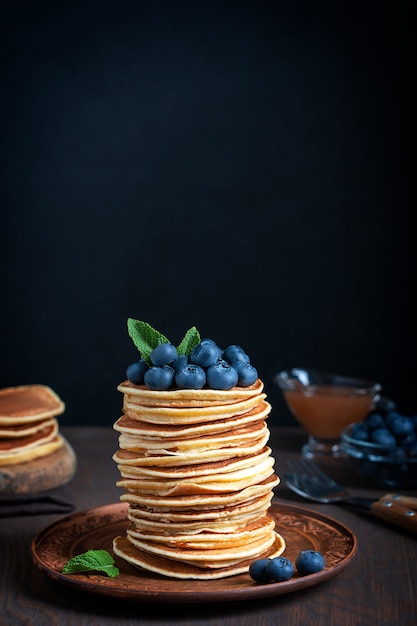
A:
<point x="378" y="588"/>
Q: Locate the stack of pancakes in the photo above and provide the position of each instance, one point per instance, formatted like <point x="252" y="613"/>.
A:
<point x="199" y="478"/>
<point x="28" y="426"/>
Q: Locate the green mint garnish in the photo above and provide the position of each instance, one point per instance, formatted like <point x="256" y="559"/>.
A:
<point x="146" y="338"/>
<point x="191" y="339"/>
<point x="92" y="560"/>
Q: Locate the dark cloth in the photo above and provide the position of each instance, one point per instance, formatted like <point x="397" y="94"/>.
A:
<point x="55" y="501"/>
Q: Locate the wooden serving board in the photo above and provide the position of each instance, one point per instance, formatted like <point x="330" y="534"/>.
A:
<point x="39" y="475"/>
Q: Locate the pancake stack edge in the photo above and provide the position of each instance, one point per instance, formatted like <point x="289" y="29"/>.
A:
<point x="198" y="477"/>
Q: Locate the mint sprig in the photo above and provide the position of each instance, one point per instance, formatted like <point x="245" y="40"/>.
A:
<point x="92" y="560"/>
<point x="146" y="338"/>
<point x="190" y="340"/>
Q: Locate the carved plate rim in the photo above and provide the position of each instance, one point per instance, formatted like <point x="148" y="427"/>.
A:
<point x="301" y="527"/>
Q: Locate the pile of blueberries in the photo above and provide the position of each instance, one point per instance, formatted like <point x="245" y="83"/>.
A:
<point x="280" y="568"/>
<point x="207" y="366"/>
<point x="386" y="426"/>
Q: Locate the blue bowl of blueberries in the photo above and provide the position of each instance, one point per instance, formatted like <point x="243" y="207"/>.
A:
<point x="383" y="447"/>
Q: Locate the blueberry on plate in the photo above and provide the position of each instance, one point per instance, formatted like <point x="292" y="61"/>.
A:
<point x="136" y="371"/>
<point x="159" y="378"/>
<point x="309" y="562"/>
<point x="258" y="571"/>
<point x="163" y="354"/>
<point x="280" y="569"/>
<point x="190" y="377"/>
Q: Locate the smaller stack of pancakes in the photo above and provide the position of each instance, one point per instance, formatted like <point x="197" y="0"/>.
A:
<point x="199" y="477"/>
<point x="28" y="426"/>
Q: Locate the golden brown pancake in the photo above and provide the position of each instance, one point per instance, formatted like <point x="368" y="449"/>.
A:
<point x="130" y="426"/>
<point x="197" y="469"/>
<point x="28" y="403"/>
<point x="178" y="569"/>
<point x="18" y="444"/>
<point x="187" y="397"/>
<point x="231" y="512"/>
<point x="161" y="459"/>
<point x="227" y="482"/>
<point x="23" y="430"/>
<point x="30" y="454"/>
<point x="28" y="428"/>
<point x="198" y="477"/>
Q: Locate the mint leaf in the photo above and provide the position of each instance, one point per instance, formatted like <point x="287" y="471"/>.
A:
<point x="191" y="339"/>
<point x="145" y="337"/>
<point x="92" y="560"/>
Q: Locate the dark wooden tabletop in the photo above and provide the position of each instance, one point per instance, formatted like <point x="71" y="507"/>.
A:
<point x="378" y="587"/>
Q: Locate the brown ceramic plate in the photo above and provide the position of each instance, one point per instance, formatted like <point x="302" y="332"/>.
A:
<point x="95" y="528"/>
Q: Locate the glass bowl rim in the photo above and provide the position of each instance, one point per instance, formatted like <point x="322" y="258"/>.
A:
<point x="287" y="380"/>
<point x="375" y="452"/>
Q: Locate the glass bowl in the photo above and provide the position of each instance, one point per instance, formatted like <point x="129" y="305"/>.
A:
<point x="389" y="468"/>
<point x="325" y="403"/>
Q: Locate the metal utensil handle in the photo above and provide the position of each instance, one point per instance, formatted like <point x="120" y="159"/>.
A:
<point x="398" y="510"/>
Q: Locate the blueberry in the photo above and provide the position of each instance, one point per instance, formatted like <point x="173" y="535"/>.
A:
<point x="385" y="405"/>
<point x="190" y="377"/>
<point x="258" y="570"/>
<point x="235" y="353"/>
<point x="280" y="569"/>
<point x="391" y="416"/>
<point x="247" y="374"/>
<point x="221" y="376"/>
<point x="383" y="437"/>
<point x="374" y="420"/>
<point x="159" y="378"/>
<point x="401" y="426"/>
<point x="180" y="362"/>
<point x="163" y="354"/>
<point x="205" y="353"/>
<point x="136" y="371"/>
<point x="359" y="432"/>
<point x="309" y="562"/>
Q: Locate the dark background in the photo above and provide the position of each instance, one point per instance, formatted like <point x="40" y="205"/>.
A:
<point x="239" y="166"/>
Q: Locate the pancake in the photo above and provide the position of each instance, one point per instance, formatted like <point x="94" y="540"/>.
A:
<point x="28" y="426"/>
<point x="231" y="481"/>
<point x="197" y="469"/>
<point x="234" y="513"/>
<point x="187" y="397"/>
<point x="17" y="444"/>
<point x="130" y="426"/>
<point x="23" y="430"/>
<point x="156" y="445"/>
<point x="178" y="569"/>
<point x="28" y="403"/>
<point x="198" y="477"/>
<point x="189" y="415"/>
<point x="201" y="501"/>
<point x="207" y="540"/>
<point x="30" y="454"/>
<point x="130" y="457"/>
